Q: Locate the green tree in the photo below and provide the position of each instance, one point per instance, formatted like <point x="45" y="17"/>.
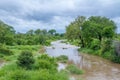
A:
<point x="98" y="27"/>
<point x="30" y="32"/>
<point x="96" y="33"/>
<point x="73" y="31"/>
<point x="6" y="34"/>
<point x="52" y="31"/>
<point x="37" y="32"/>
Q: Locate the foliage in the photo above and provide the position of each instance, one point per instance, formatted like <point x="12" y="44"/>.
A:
<point x="95" y="44"/>
<point x="44" y="74"/>
<point x="36" y="37"/>
<point x="12" y="71"/>
<point x="106" y="45"/>
<point x="116" y="59"/>
<point x="6" y="34"/>
<point x="74" y="69"/>
<point x="31" y="37"/>
<point x="25" y="60"/>
<point x="95" y="34"/>
<point x="5" y="51"/>
<point x="73" y="31"/>
<point x="62" y="58"/>
<point x="46" y="62"/>
<point x="18" y="75"/>
<point x="52" y="31"/>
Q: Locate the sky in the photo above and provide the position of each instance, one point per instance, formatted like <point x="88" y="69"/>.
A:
<point x="24" y="15"/>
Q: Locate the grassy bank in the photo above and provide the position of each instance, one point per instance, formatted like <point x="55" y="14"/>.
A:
<point x="110" y="55"/>
<point x="16" y="50"/>
<point x="20" y="67"/>
<point x="44" y="68"/>
<point x="106" y="49"/>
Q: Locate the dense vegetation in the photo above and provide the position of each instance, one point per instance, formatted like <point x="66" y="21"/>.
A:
<point x="22" y="55"/>
<point x="62" y="59"/>
<point x="28" y="67"/>
<point x="8" y="36"/>
<point x="23" y="52"/>
<point x="73" y="69"/>
<point x="95" y="35"/>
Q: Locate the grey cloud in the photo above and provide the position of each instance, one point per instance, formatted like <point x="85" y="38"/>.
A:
<point x="33" y="14"/>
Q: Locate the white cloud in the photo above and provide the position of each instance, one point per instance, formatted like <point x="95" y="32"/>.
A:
<point x="117" y="21"/>
<point x="48" y="14"/>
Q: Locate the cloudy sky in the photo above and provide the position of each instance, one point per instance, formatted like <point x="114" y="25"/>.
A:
<point x="54" y="14"/>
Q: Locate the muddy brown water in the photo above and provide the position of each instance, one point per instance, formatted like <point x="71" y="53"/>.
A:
<point x="95" y="68"/>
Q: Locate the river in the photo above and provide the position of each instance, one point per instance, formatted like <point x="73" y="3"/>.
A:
<point x="95" y="68"/>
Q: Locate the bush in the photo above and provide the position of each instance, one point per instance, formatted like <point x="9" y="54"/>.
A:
<point x="95" y="44"/>
<point x="48" y="42"/>
<point x="62" y="75"/>
<point x="25" y="60"/>
<point x="62" y="58"/>
<point x="44" y="74"/>
<point x="106" y="46"/>
<point x="74" y="70"/>
<point x="43" y="64"/>
<point x="18" y="75"/>
<point x="116" y="59"/>
<point x="5" y="51"/>
<point x="46" y="62"/>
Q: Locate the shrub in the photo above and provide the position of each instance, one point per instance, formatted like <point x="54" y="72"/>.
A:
<point x="47" y="43"/>
<point x="43" y="64"/>
<point x="25" y="60"/>
<point x="46" y="62"/>
<point x="62" y="75"/>
<point x="74" y="70"/>
<point x="106" y="46"/>
<point x="116" y="59"/>
<point x="5" y="51"/>
<point x="62" y="58"/>
<point x="42" y="75"/>
<point x="18" y="75"/>
<point x="95" y="44"/>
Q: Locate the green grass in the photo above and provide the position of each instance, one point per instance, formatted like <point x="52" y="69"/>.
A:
<point x="44" y="68"/>
<point x="74" y="69"/>
<point x="18" y="49"/>
<point x="12" y="71"/>
<point x="24" y="47"/>
<point x="62" y="59"/>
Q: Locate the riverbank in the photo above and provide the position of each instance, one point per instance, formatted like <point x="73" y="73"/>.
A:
<point x="43" y="67"/>
<point x="95" y="67"/>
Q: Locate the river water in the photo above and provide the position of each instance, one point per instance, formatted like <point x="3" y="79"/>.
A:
<point x="95" y="68"/>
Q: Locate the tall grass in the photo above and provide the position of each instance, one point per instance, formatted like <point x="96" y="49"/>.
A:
<point x="74" y="69"/>
<point x="45" y="70"/>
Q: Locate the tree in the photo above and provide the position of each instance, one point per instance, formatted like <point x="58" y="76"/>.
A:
<point x="30" y="32"/>
<point x="37" y="32"/>
<point x="6" y="34"/>
<point x="52" y="31"/>
<point x="94" y="28"/>
<point x="73" y="31"/>
<point x="44" y="31"/>
<point x="98" y="27"/>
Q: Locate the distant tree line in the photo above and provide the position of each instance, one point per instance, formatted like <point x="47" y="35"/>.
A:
<point x="8" y="36"/>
